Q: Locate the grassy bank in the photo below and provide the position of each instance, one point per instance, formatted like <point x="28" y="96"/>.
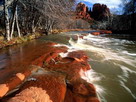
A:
<point x="18" y="40"/>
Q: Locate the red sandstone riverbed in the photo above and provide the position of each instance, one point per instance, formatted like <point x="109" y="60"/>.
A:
<point x="59" y="81"/>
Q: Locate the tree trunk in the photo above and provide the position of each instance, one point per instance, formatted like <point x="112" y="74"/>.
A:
<point x="18" y="29"/>
<point x="13" y="20"/>
<point x="33" y="27"/>
<point x="7" y="20"/>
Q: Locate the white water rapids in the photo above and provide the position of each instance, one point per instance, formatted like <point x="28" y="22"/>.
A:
<point x="113" y="63"/>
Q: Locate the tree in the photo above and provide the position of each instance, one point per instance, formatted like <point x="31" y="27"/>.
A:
<point x="7" y="20"/>
<point x="26" y="16"/>
<point x="130" y="9"/>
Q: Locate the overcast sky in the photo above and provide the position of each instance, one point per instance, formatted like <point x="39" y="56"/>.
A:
<point x="114" y="5"/>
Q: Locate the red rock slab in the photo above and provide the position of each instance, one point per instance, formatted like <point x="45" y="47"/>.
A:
<point x="95" y="33"/>
<point x="80" y="91"/>
<point x="74" y="68"/>
<point x="83" y="88"/>
<point x="48" y="87"/>
<point x="16" y="80"/>
<point x="74" y="65"/>
<point x="93" y="99"/>
<point x="81" y="55"/>
<point x="51" y="54"/>
<point x="50" y="44"/>
<point x="105" y="32"/>
<point x="72" y="97"/>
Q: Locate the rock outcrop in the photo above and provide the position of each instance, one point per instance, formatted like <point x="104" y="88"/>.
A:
<point x="47" y="87"/>
<point x="82" y="12"/>
<point x="99" y="12"/>
<point x="101" y="32"/>
<point x="58" y="79"/>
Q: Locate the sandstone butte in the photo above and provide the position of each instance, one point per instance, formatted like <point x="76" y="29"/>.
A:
<point x="99" y="12"/>
<point x="56" y="79"/>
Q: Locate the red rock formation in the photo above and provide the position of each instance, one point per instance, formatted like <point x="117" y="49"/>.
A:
<point x="82" y="12"/>
<point x="100" y="12"/>
<point x="81" y="91"/>
<point x="96" y="33"/>
<point x="16" y="80"/>
<point x="73" y="66"/>
<point x="48" y="87"/>
<point x="105" y="32"/>
<point x="101" y="32"/>
<point x="60" y="80"/>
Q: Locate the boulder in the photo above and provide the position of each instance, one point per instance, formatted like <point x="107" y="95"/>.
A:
<point x="80" y="55"/>
<point x="16" y="80"/>
<point x="74" y="65"/>
<point x="48" y="87"/>
<point x="51" y="54"/>
<point x="80" y="91"/>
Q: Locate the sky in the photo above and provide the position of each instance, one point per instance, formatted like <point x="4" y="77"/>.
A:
<point x="114" y="5"/>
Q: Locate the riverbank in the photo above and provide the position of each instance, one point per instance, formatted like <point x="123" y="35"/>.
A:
<point x="23" y="39"/>
<point x="56" y="31"/>
<point x="58" y="78"/>
<point x="18" y="40"/>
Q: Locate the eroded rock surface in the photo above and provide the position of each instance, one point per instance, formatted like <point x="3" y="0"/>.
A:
<point x="99" y="12"/>
<point x="60" y="79"/>
<point x="48" y="87"/>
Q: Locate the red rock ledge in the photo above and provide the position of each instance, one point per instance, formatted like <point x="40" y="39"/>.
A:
<point x="101" y="32"/>
<point x="59" y="81"/>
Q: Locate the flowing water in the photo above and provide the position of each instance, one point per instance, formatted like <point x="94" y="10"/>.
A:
<point x="113" y="62"/>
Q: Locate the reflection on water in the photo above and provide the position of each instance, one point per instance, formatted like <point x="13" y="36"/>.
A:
<point x="113" y="62"/>
<point x="16" y="58"/>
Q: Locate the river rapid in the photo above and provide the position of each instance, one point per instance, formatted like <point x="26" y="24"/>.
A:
<point x="113" y="62"/>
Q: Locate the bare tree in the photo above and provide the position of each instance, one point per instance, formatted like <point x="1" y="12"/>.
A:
<point x="7" y="20"/>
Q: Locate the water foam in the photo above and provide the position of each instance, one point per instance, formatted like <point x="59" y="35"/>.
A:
<point x="93" y="77"/>
<point x="107" y="54"/>
<point x="127" y="89"/>
<point x="131" y="54"/>
<point x="113" y="55"/>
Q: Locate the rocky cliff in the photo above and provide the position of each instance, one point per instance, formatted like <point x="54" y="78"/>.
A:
<point x="82" y="12"/>
<point x="99" y="12"/>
